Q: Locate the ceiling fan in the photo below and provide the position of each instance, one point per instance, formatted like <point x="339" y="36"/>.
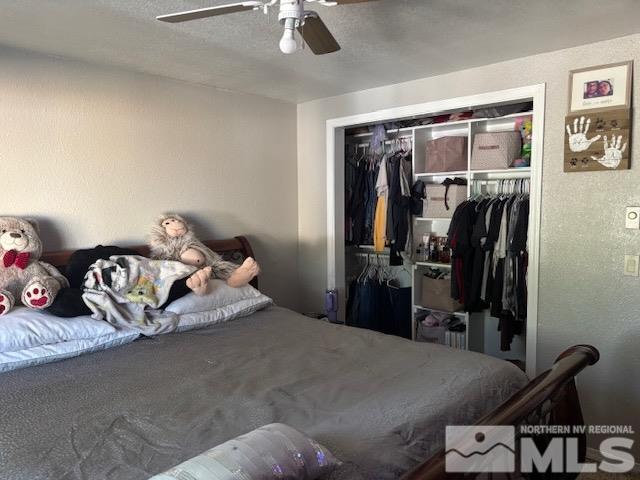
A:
<point x="292" y="16"/>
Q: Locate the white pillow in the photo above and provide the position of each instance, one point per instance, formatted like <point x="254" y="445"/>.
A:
<point x="59" y="351"/>
<point x="242" y="308"/>
<point x="24" y="328"/>
<point x="219" y="294"/>
<point x="267" y="453"/>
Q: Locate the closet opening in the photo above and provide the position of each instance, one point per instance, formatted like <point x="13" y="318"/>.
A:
<point x="459" y="267"/>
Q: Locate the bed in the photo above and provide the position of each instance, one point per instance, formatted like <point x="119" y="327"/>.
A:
<point x="379" y="403"/>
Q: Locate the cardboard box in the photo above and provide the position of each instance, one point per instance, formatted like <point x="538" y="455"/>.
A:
<point x="436" y="294"/>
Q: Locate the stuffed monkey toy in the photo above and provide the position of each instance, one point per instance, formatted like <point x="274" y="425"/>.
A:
<point x="172" y="238"/>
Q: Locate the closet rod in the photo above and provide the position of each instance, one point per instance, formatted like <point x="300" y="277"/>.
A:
<point x="492" y="181"/>
<point x="387" y="142"/>
<point x="516" y="185"/>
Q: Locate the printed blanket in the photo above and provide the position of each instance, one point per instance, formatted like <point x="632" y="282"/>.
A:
<point x="120" y="289"/>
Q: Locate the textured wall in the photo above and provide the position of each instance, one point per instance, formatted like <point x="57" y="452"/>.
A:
<point x="96" y="154"/>
<point x="583" y="296"/>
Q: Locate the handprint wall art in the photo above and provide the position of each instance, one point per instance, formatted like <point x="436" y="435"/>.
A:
<point x="597" y="141"/>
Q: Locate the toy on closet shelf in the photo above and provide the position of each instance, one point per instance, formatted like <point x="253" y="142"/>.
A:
<point x="23" y="278"/>
<point x="525" y="126"/>
<point x="172" y="238"/>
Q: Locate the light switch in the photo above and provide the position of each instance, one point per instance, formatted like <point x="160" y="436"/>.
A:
<point x="632" y="218"/>
<point x="631" y="265"/>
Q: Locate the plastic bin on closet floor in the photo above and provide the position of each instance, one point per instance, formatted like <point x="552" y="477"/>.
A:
<point x="430" y="334"/>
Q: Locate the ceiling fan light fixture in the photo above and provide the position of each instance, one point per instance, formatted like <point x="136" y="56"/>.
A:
<point x="288" y="42"/>
<point x="292" y="16"/>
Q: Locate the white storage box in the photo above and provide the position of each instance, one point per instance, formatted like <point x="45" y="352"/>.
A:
<point x="495" y="151"/>
<point x="435" y="205"/>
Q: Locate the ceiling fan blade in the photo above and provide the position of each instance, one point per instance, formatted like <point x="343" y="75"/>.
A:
<point x="346" y="2"/>
<point x="316" y="34"/>
<point x="209" y="12"/>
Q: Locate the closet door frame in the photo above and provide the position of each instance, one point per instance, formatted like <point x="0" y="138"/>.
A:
<point x="335" y="137"/>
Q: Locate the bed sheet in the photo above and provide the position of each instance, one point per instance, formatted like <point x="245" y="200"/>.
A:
<point x="379" y="403"/>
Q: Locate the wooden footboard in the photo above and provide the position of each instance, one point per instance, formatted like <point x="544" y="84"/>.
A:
<point x="549" y="399"/>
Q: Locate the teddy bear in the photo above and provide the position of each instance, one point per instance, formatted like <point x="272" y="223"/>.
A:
<point x="172" y="238"/>
<point x="23" y="278"/>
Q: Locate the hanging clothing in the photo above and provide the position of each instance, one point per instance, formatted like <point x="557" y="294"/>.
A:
<point x="375" y="305"/>
<point x="377" y="212"/>
<point x="488" y="240"/>
<point x="405" y="188"/>
<point x="350" y="177"/>
<point x="398" y="211"/>
<point x="478" y="239"/>
<point x="519" y="257"/>
<point x="401" y="311"/>
<point x="418" y="194"/>
<point x="459" y="239"/>
<point x="380" y="222"/>
<point x="370" y="201"/>
<point x="355" y="209"/>
<point x="377" y="200"/>
<point x="392" y="176"/>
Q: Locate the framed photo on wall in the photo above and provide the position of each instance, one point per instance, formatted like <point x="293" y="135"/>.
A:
<point x="605" y="87"/>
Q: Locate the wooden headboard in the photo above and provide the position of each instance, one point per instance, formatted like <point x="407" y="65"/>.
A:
<point x="234" y="250"/>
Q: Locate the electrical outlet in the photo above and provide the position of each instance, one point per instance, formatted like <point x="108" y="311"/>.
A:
<point x="632" y="218"/>
<point x="631" y="265"/>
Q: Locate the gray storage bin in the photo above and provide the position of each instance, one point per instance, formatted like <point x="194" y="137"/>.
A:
<point x="495" y="150"/>
<point x="434" y="205"/>
<point x="446" y="154"/>
<point x="430" y="334"/>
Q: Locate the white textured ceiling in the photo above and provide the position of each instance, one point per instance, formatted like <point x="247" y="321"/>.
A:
<point x="383" y="42"/>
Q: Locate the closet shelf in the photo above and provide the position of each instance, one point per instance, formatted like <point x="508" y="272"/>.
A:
<point x="497" y="119"/>
<point x="443" y="174"/>
<point x="366" y="249"/>
<point x="446" y="124"/>
<point x="509" y="171"/>
<point x="469" y="121"/>
<point x="463" y="173"/>
<point x="457" y="314"/>
<point x="408" y="130"/>
<point x="433" y="264"/>
<point x="432" y="219"/>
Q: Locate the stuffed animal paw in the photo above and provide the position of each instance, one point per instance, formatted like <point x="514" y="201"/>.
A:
<point x="199" y="280"/>
<point x="40" y="292"/>
<point x="244" y="273"/>
<point x="6" y="301"/>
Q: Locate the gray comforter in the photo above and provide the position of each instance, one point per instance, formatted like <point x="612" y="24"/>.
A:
<point x="379" y="403"/>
